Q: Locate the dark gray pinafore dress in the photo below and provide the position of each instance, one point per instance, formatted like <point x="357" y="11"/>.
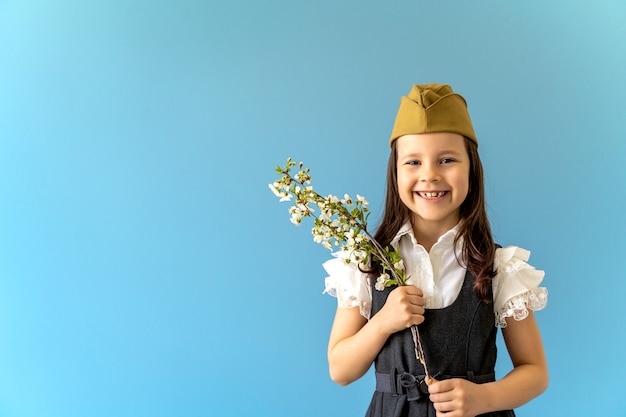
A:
<point x="459" y="341"/>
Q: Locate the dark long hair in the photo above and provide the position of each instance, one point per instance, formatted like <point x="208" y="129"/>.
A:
<point x="478" y="251"/>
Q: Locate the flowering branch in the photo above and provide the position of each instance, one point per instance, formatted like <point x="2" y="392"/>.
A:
<point x="342" y="223"/>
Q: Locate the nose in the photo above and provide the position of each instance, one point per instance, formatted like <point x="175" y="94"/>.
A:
<point x="429" y="173"/>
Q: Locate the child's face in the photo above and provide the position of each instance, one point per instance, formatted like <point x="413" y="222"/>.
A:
<point x="433" y="178"/>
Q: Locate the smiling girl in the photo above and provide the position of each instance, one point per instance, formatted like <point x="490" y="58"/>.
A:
<point x="463" y="287"/>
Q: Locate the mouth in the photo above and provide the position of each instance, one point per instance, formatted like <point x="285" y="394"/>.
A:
<point x="431" y="195"/>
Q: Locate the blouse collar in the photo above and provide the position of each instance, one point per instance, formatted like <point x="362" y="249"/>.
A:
<point x="407" y="230"/>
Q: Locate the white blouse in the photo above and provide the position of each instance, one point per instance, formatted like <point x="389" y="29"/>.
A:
<point x="440" y="276"/>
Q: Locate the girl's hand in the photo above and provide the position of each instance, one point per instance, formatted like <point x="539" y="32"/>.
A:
<point x="355" y="342"/>
<point x="404" y="307"/>
<point x="456" y="398"/>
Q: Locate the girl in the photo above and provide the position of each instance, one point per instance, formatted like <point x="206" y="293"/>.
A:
<point x="463" y="286"/>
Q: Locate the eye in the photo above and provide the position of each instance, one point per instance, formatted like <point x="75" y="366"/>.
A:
<point x="413" y="162"/>
<point x="447" y="160"/>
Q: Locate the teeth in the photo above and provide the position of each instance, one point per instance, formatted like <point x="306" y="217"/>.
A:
<point x="432" y="195"/>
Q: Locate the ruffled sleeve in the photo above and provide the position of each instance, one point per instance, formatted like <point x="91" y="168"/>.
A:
<point x="516" y="285"/>
<point x="346" y="282"/>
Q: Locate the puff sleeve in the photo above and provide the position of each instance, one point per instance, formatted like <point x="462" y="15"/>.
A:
<point x="516" y="285"/>
<point x="346" y="282"/>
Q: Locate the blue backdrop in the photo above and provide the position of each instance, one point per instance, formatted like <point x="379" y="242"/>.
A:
<point x="147" y="270"/>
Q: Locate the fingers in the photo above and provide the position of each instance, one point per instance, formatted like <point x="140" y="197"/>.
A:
<point x="404" y="308"/>
<point x="411" y="290"/>
<point x="409" y="293"/>
<point x="455" y="395"/>
<point x="411" y="308"/>
<point x="438" y="387"/>
<point x="442" y="396"/>
<point x="411" y="305"/>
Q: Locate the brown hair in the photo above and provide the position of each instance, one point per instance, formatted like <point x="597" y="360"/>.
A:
<point x="478" y="251"/>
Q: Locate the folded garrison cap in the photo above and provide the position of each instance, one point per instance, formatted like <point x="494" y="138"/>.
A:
<point x="430" y="108"/>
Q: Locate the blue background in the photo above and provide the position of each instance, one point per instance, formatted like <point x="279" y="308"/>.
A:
<point x="147" y="270"/>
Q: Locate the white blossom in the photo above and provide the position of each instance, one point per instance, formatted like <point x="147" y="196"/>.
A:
<point x="381" y="281"/>
<point x="358" y="255"/>
<point x="399" y="265"/>
<point x="274" y="189"/>
<point x="302" y="177"/>
<point x="324" y="216"/>
<point x="296" y="219"/>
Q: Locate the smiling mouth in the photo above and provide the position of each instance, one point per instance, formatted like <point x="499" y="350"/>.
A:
<point x="431" y="195"/>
